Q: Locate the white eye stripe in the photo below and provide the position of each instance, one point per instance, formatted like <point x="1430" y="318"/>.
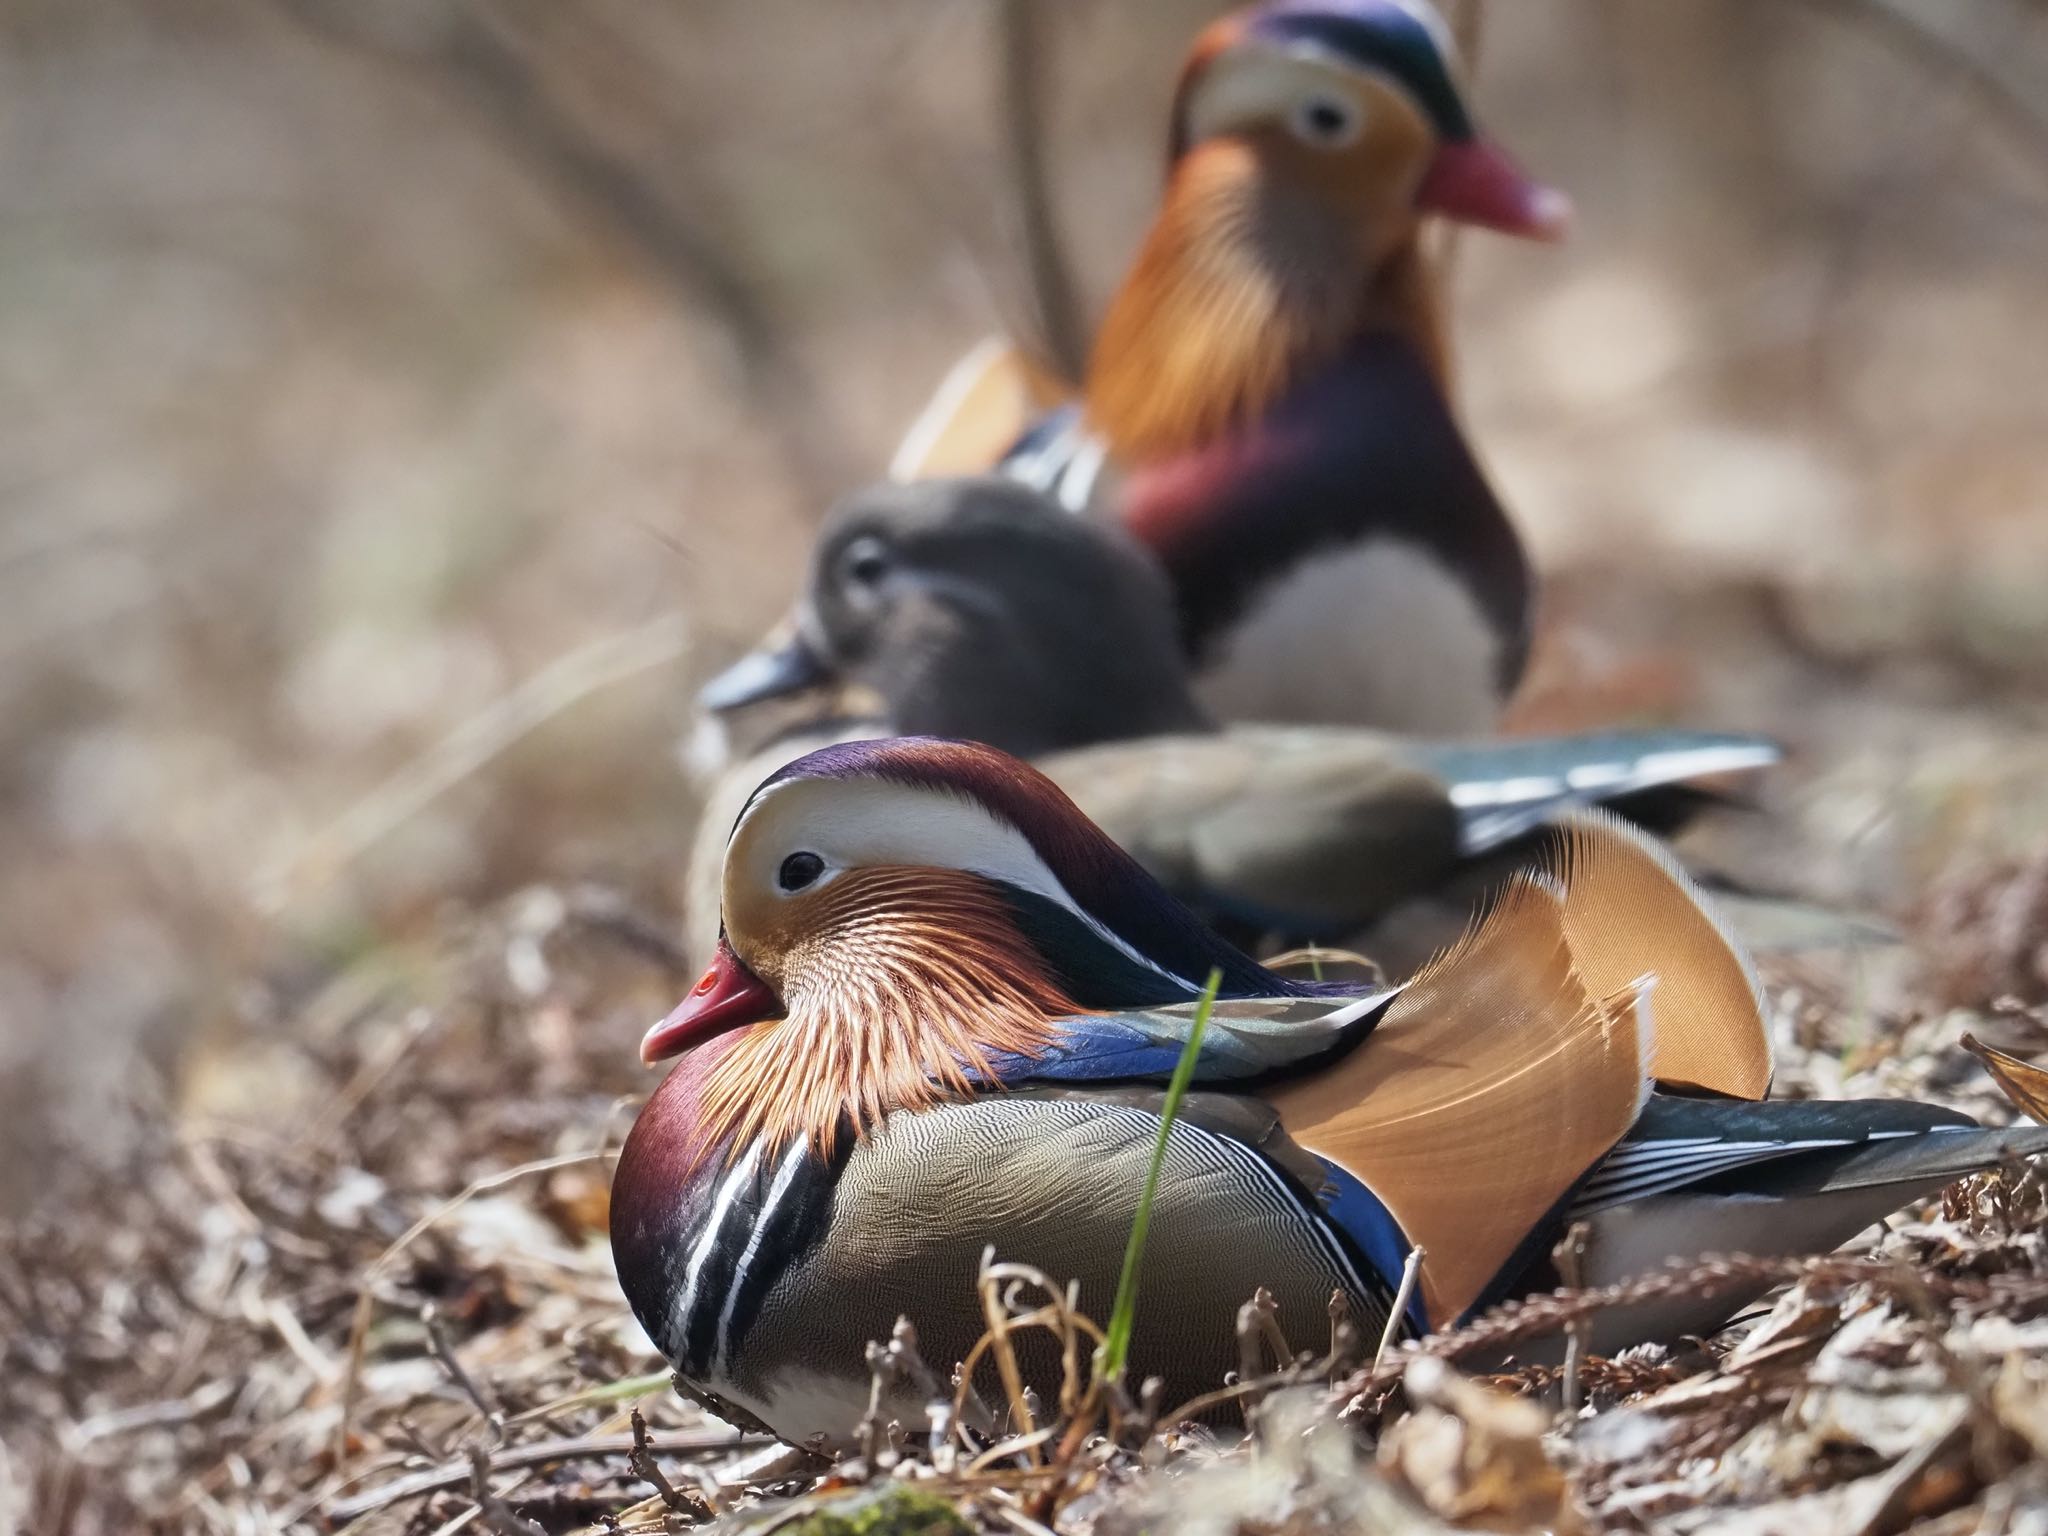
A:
<point x="1264" y="87"/>
<point x="853" y="824"/>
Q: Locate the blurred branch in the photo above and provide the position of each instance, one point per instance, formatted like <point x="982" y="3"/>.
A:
<point x="471" y="58"/>
<point x="1909" y="34"/>
<point x="468" y="749"/>
<point x="1021" y="27"/>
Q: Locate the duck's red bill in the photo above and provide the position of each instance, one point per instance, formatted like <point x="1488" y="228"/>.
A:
<point x="726" y="997"/>
<point x="1475" y="182"/>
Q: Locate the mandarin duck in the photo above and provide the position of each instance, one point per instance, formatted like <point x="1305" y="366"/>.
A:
<point x="1267" y="407"/>
<point x="971" y="608"/>
<point x="938" y="1019"/>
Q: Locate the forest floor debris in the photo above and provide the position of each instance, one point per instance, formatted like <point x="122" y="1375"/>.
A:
<point x="382" y="1300"/>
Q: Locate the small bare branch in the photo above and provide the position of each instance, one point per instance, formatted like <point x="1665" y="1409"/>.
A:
<point x="1021" y="50"/>
<point x="497" y="1514"/>
<point x="649" y="1471"/>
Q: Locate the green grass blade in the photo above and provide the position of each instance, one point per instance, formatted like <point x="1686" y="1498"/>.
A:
<point x="1116" y="1340"/>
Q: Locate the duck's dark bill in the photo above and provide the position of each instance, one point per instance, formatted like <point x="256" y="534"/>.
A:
<point x="728" y="996"/>
<point x="782" y="665"/>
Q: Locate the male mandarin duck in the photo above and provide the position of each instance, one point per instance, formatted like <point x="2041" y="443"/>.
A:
<point x="1269" y="390"/>
<point x="972" y="608"/>
<point x="938" y="1020"/>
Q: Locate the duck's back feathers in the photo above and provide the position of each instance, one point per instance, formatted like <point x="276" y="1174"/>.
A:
<point x="1297" y="829"/>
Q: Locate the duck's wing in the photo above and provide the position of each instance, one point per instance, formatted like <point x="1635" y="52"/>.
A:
<point x="1246" y="1041"/>
<point x="986" y="403"/>
<point x="1680" y="1143"/>
<point x="1319" y="831"/>
<point x="1504" y="790"/>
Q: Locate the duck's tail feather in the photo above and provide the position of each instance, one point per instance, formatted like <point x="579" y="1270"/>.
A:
<point x="1506" y="790"/>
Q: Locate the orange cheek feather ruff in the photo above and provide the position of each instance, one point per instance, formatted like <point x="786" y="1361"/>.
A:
<point x="909" y="980"/>
<point x="1208" y="329"/>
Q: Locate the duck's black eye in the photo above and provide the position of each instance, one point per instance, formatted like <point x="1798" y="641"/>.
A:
<point x="1326" y="122"/>
<point x="865" y="562"/>
<point x="799" y="870"/>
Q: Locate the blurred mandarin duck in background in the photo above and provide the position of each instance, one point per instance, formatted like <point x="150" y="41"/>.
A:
<point x="1268" y="404"/>
<point x="969" y="607"/>
<point x="939" y="1018"/>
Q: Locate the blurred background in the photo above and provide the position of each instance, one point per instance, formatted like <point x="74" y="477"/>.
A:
<point x="403" y="404"/>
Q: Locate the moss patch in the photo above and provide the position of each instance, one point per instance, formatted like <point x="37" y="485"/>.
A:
<point x="888" y="1509"/>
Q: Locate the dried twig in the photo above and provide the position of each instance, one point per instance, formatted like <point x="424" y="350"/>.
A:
<point x="497" y="1514"/>
<point x="359" y="1328"/>
<point x="540" y="1453"/>
<point x="1914" y="37"/>
<point x="1517" y="1322"/>
<point x="444" y="1353"/>
<point x="642" y="1461"/>
<point x="997" y="1317"/>
<point x="1411" y="1271"/>
<point x="467" y="51"/>
<point x="1570" y="1257"/>
<point x="468" y="749"/>
<point x="1258" y="1324"/>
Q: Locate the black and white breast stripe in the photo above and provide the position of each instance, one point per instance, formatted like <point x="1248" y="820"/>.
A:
<point x="763" y="1216"/>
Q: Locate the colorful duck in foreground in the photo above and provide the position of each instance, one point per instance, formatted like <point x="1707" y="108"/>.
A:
<point x="1269" y="393"/>
<point x="971" y="608"/>
<point x="938" y="1021"/>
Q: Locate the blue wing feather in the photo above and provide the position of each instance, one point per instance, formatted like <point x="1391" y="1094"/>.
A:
<point x="1247" y="1039"/>
<point x="1356" y="1212"/>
